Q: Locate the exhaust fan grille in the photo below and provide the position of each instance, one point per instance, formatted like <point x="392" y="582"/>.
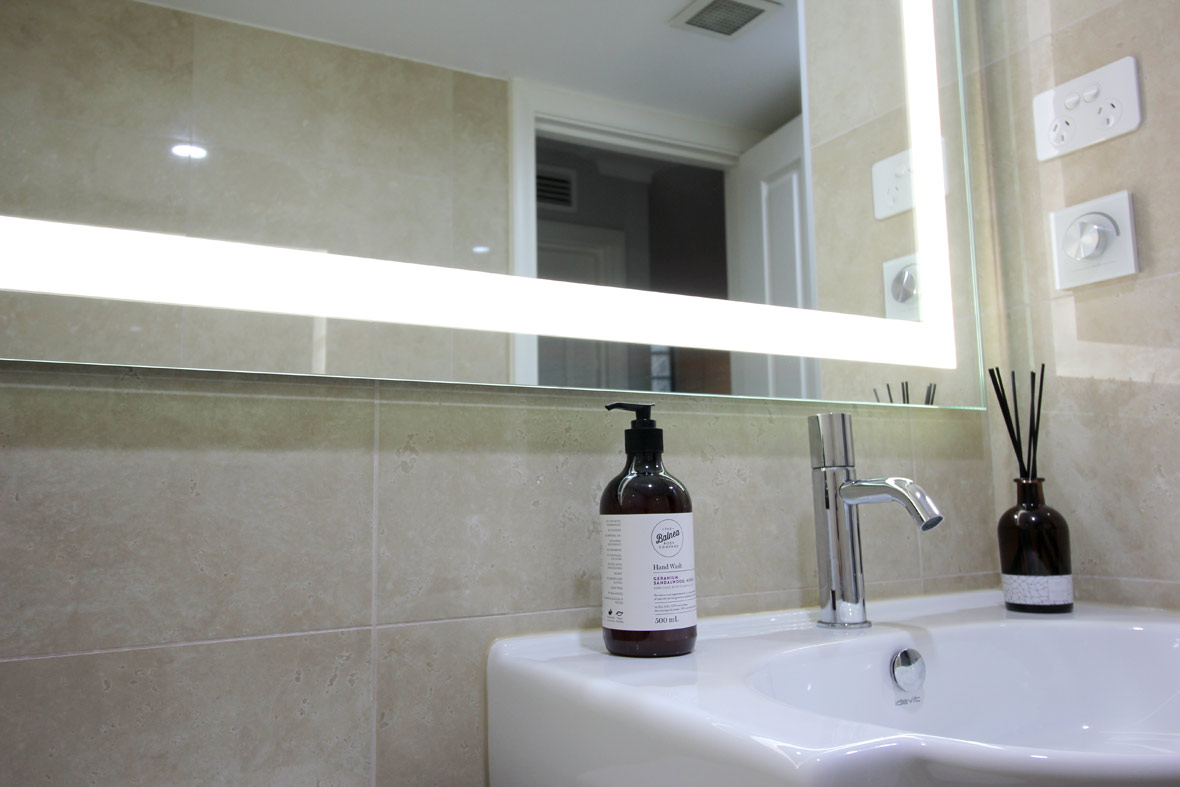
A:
<point x="722" y="18"/>
<point x="555" y="188"/>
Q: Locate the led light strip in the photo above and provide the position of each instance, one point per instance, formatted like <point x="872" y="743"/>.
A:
<point x="99" y="262"/>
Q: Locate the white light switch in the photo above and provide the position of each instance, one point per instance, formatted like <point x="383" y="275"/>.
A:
<point x="1093" y="241"/>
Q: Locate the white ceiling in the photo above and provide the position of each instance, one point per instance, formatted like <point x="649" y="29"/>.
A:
<point x="622" y="49"/>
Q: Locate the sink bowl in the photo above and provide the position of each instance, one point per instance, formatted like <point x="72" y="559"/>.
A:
<point x="1088" y="698"/>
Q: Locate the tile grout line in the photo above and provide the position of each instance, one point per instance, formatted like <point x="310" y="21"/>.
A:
<point x="181" y="644"/>
<point x="373" y="590"/>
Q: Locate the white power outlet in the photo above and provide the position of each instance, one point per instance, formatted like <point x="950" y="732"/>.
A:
<point x="1093" y="108"/>
<point x="893" y="184"/>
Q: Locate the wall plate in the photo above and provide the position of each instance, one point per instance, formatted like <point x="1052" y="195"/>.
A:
<point x="893" y="189"/>
<point x="902" y="296"/>
<point x="1093" y="241"/>
<point x="1093" y="108"/>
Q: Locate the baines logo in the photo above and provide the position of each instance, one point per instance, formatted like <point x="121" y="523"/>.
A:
<point x="666" y="538"/>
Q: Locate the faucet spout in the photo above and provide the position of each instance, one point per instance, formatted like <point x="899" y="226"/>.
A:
<point x="838" y="495"/>
<point x="912" y="497"/>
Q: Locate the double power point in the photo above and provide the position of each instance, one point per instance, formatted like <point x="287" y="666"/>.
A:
<point x="1093" y="108"/>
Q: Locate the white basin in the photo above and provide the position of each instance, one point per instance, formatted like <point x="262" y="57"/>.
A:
<point x="1091" y="698"/>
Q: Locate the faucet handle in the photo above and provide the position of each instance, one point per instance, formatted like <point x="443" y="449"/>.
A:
<point x="831" y="440"/>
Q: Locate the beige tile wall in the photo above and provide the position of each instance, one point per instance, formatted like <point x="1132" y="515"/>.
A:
<point x="1109" y="451"/>
<point x="250" y="580"/>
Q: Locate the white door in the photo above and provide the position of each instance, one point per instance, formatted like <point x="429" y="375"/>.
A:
<point x="769" y="258"/>
<point x="585" y="255"/>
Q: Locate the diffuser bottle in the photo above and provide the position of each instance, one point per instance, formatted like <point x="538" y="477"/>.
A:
<point x="648" y="571"/>
<point x="1034" y="553"/>
<point x="1034" y="539"/>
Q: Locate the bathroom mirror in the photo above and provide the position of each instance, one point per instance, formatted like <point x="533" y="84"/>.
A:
<point x="318" y="148"/>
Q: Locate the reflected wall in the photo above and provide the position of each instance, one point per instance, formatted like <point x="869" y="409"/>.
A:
<point x="311" y="145"/>
<point x="857" y="117"/>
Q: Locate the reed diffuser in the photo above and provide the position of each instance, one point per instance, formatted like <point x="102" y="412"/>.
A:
<point x="1034" y="538"/>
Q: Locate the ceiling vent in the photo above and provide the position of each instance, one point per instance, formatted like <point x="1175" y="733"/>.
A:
<point x="723" y="18"/>
<point x="555" y="188"/>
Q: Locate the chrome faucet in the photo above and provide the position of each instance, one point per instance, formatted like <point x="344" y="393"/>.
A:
<point x="837" y="494"/>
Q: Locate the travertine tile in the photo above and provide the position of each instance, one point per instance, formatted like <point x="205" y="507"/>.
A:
<point x="481" y="131"/>
<point x="431" y="694"/>
<point x="951" y="458"/>
<point x="60" y="170"/>
<point x="482" y="356"/>
<point x="307" y="100"/>
<point x="847" y="281"/>
<point x="888" y="535"/>
<point x="480" y="219"/>
<point x="90" y="330"/>
<point x="213" y="339"/>
<point x="1113" y="483"/>
<point x="135" y="516"/>
<point x="279" y="711"/>
<point x="107" y="63"/>
<point x="961" y="583"/>
<point x="903" y="588"/>
<point x="1024" y="189"/>
<point x="256" y="198"/>
<point x="750" y="480"/>
<point x="487" y="509"/>
<point x="743" y="603"/>
<point x="849" y="32"/>
<point x="1127" y="590"/>
<point x="389" y="351"/>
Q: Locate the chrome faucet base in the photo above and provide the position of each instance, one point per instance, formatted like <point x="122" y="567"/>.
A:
<point x="845" y="626"/>
<point x="837" y="494"/>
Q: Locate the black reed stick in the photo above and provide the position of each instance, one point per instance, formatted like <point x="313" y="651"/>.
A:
<point x="1036" y="438"/>
<point x="1016" y="416"/>
<point x="1002" y="398"/>
<point x="1026" y="454"/>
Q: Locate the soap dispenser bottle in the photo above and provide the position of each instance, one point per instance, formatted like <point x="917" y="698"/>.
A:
<point x="649" y="605"/>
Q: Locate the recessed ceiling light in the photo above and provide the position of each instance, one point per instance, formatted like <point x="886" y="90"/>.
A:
<point x="189" y="151"/>
<point x="481" y="249"/>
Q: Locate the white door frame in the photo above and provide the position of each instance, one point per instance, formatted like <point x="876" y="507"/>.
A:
<point x="557" y="113"/>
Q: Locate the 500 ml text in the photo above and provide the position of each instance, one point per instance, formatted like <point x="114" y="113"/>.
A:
<point x="670" y="619"/>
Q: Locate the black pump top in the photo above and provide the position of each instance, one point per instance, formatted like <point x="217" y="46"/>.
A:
<point x="643" y="436"/>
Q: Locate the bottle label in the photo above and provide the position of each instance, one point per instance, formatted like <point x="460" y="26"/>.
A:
<point x="1038" y="591"/>
<point x="648" y="572"/>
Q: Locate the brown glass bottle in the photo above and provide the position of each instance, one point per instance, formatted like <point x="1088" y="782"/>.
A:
<point x="1034" y="553"/>
<point x="646" y="487"/>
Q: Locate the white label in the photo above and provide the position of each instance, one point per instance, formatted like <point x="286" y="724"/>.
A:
<point x="1038" y="591"/>
<point x="648" y="572"/>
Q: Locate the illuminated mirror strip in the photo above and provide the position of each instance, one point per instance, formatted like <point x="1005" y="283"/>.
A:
<point x="927" y="173"/>
<point x="98" y="262"/>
